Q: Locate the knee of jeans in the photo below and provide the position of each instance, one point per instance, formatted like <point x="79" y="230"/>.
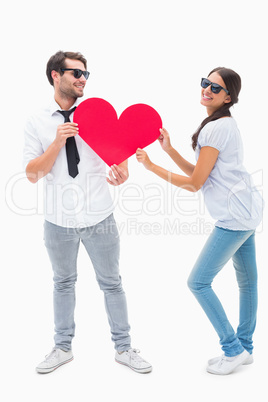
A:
<point x="110" y="285"/>
<point x="196" y="286"/>
<point x="190" y="284"/>
<point x="65" y="283"/>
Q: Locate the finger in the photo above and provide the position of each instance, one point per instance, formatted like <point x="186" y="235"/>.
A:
<point x="68" y="126"/>
<point x="119" y="173"/>
<point x="69" y="130"/>
<point x="69" y="135"/>
<point x="109" y="181"/>
<point x="70" y="123"/>
<point x="113" y="180"/>
<point x="116" y="169"/>
<point x="164" y="132"/>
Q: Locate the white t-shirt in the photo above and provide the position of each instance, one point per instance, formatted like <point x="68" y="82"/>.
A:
<point x="229" y="193"/>
<point x="69" y="202"/>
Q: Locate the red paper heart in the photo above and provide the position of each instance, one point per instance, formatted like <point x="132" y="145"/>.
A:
<point x="113" y="139"/>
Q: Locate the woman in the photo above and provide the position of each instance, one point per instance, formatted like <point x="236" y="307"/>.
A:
<point x="236" y="205"/>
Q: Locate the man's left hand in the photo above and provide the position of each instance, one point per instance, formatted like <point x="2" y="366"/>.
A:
<point x="117" y="175"/>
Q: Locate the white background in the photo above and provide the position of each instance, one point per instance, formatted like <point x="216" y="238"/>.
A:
<point x="153" y="52"/>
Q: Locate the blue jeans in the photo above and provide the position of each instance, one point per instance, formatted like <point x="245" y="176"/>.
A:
<point x="102" y="245"/>
<point x="222" y="245"/>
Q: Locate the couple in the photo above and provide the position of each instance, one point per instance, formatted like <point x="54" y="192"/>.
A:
<point x="54" y="151"/>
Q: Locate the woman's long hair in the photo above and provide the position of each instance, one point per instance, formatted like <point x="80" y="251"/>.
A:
<point x="233" y="83"/>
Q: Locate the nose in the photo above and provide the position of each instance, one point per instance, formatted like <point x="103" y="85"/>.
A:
<point x="208" y="89"/>
<point x="82" y="79"/>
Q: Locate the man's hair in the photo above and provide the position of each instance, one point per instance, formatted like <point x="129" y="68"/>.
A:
<point x="57" y="61"/>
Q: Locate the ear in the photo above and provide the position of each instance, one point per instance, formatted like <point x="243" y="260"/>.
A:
<point x="227" y="99"/>
<point x="55" y="75"/>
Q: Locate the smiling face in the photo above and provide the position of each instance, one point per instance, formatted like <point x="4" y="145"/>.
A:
<point x="211" y="100"/>
<point x="67" y="87"/>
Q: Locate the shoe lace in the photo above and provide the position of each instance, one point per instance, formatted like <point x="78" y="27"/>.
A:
<point x="134" y="355"/>
<point x="223" y="359"/>
<point x="52" y="355"/>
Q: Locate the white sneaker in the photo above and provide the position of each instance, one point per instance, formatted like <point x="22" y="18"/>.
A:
<point x="226" y="365"/>
<point x="249" y="360"/>
<point x="53" y="360"/>
<point x="131" y="359"/>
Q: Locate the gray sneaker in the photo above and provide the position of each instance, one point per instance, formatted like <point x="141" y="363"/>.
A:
<point x="53" y="360"/>
<point x="131" y="359"/>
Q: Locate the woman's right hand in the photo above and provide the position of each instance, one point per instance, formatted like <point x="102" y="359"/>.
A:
<point x="164" y="140"/>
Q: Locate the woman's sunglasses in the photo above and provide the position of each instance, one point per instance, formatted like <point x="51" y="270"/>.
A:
<point x="77" y="73"/>
<point x="215" y="88"/>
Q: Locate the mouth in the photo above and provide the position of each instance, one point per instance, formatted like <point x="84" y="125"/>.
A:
<point x="80" y="86"/>
<point x="207" y="98"/>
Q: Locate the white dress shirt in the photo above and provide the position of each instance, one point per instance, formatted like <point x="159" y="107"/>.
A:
<point x="69" y="202"/>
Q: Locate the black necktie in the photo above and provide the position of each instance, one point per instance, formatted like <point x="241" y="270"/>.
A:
<point x="71" y="148"/>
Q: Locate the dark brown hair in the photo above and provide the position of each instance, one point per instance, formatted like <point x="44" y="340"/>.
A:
<point x="57" y="61"/>
<point x="233" y="83"/>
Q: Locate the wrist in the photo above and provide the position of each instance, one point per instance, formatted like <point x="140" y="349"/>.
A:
<point x="150" y="166"/>
<point x="169" y="150"/>
<point x="56" y="145"/>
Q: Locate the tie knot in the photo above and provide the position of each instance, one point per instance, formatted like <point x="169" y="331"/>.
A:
<point x="66" y="113"/>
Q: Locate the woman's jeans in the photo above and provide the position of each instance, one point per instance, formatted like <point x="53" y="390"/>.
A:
<point x="102" y="245"/>
<point x="222" y="245"/>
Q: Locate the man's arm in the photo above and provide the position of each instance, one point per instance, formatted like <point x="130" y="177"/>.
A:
<point x="41" y="166"/>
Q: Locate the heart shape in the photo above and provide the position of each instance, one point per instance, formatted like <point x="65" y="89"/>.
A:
<point x="113" y="139"/>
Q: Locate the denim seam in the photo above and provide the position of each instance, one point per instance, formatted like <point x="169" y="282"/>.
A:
<point x="248" y="284"/>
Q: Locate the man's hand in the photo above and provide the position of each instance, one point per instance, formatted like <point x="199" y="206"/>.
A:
<point x="65" y="131"/>
<point x="118" y="174"/>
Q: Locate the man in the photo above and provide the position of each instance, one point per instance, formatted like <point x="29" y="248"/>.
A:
<point x="78" y="207"/>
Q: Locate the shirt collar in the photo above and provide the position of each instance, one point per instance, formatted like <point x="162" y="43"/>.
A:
<point x="54" y="106"/>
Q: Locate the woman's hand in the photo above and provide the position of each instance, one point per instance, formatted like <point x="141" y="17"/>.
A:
<point x="164" y="140"/>
<point x="143" y="158"/>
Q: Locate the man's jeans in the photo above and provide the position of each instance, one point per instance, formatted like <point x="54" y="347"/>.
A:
<point x="102" y="244"/>
<point x="222" y="245"/>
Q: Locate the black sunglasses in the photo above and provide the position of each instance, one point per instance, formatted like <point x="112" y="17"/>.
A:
<point x="215" y="88"/>
<point x="77" y="73"/>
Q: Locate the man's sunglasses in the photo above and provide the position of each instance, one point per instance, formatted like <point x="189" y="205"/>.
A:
<point x="215" y="88"/>
<point x="77" y="73"/>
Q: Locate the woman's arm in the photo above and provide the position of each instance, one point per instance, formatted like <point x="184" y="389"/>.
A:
<point x="206" y="161"/>
<point x="183" y="164"/>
